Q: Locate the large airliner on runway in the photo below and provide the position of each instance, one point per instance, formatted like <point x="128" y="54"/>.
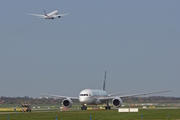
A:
<point x="95" y="97"/>
<point x="51" y="15"/>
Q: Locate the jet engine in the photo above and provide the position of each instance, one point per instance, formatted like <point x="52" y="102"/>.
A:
<point x="67" y="102"/>
<point x="117" y="102"/>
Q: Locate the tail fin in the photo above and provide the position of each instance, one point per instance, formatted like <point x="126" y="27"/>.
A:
<point x="104" y="85"/>
<point x="44" y="12"/>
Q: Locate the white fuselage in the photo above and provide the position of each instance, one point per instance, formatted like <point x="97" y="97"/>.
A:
<point x="51" y="15"/>
<point x="90" y="96"/>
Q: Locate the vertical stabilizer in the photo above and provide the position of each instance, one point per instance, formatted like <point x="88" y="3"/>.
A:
<point x="45" y="13"/>
<point x="104" y="85"/>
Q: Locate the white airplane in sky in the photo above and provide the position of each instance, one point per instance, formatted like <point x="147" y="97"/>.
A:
<point x="49" y="16"/>
<point x="95" y="97"/>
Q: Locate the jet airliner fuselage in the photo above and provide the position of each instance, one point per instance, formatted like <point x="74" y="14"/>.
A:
<point x="90" y="96"/>
<point x="50" y="15"/>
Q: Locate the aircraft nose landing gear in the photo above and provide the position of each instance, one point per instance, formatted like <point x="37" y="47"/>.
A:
<point x="83" y="107"/>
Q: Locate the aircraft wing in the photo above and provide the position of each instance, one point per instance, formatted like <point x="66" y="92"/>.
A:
<point x="37" y="15"/>
<point x="132" y="95"/>
<point x="60" y="15"/>
<point x="115" y="94"/>
<point x="57" y="96"/>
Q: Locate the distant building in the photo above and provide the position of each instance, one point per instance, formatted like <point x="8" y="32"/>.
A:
<point x="1" y="101"/>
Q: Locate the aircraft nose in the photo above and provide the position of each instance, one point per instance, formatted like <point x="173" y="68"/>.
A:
<point x="81" y="99"/>
<point x="86" y="100"/>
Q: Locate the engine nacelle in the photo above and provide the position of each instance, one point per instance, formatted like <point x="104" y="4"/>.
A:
<point x="117" y="102"/>
<point x="67" y="102"/>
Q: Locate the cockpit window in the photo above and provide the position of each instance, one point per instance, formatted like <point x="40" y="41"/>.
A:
<point x="85" y="95"/>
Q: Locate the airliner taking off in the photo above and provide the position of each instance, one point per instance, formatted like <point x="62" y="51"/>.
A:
<point x="49" y="16"/>
<point x="95" y="97"/>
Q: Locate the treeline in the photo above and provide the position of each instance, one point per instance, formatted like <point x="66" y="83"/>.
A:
<point x="29" y="100"/>
<point x="26" y="99"/>
<point x="152" y="99"/>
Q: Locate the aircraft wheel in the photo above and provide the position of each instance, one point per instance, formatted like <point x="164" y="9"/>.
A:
<point x="107" y="107"/>
<point x="83" y="108"/>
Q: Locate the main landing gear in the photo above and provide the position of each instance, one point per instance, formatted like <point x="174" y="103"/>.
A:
<point x="83" y="107"/>
<point x="107" y="107"/>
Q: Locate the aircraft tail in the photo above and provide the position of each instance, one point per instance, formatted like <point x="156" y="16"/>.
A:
<point x="104" y="85"/>
<point x="45" y="13"/>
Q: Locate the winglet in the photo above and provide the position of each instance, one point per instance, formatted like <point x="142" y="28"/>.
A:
<point x="104" y="85"/>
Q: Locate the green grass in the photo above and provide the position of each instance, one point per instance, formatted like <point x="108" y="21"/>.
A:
<point x="149" y="114"/>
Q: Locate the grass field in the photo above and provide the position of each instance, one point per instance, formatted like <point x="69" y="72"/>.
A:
<point x="150" y="114"/>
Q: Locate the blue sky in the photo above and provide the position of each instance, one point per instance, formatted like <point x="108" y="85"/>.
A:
<point x="136" y="42"/>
